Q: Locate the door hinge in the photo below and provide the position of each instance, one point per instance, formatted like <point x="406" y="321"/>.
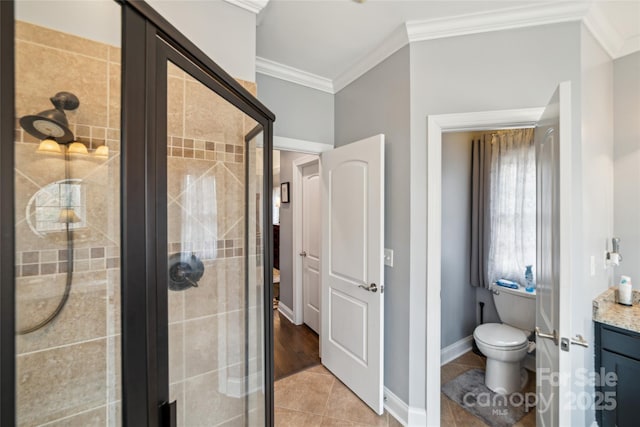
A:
<point x="382" y="289"/>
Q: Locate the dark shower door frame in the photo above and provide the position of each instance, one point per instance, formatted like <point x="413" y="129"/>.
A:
<point x="148" y="42"/>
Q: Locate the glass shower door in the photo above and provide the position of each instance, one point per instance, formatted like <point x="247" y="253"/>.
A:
<point x="134" y="224"/>
<point x="214" y="238"/>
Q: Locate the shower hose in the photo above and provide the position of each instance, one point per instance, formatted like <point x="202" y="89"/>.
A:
<point x="69" y="279"/>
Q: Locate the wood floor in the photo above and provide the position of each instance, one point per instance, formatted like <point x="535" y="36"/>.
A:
<point x="295" y="348"/>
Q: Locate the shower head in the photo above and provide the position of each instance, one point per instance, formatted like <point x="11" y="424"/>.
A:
<point x="52" y="123"/>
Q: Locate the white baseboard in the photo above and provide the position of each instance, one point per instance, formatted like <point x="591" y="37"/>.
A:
<point x="399" y="410"/>
<point x="455" y="350"/>
<point x="396" y="407"/>
<point x="418" y="417"/>
<point x="286" y="312"/>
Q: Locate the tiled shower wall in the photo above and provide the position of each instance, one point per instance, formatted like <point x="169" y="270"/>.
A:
<point x="68" y="373"/>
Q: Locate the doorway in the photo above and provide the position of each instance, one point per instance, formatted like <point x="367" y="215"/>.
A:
<point x="296" y="341"/>
<point x="554" y="168"/>
<point x="480" y="216"/>
<point x="133" y="273"/>
<point x="353" y="286"/>
<point x="307" y="231"/>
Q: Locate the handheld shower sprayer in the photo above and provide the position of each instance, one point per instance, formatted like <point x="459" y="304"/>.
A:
<point x="53" y="125"/>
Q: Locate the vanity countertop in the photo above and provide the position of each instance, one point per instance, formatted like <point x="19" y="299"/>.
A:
<point x="607" y="310"/>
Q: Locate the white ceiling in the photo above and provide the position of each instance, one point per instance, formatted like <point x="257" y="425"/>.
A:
<point x="327" y="38"/>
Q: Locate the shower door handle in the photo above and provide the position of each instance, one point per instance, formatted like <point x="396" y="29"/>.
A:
<point x="168" y="414"/>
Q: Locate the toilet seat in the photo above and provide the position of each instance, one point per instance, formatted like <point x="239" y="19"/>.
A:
<point x="500" y="336"/>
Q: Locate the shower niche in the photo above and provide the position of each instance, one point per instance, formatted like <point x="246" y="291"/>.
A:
<point x="141" y="232"/>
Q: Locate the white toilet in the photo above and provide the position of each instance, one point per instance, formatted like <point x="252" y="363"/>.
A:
<point x="506" y="344"/>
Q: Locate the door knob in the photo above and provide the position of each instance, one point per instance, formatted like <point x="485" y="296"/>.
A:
<point x="371" y="288"/>
<point x="553" y="336"/>
<point x="303" y="253"/>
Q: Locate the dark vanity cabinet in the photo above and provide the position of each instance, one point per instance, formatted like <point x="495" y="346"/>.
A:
<point x="617" y="398"/>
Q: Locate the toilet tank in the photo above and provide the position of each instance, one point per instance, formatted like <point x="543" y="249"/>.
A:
<point x="516" y="307"/>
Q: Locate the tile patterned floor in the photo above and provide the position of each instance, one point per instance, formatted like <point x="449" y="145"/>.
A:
<point x="314" y="398"/>
<point x="454" y="415"/>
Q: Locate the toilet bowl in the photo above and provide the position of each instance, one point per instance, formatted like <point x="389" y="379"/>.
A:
<point x="506" y="344"/>
<point x="505" y="348"/>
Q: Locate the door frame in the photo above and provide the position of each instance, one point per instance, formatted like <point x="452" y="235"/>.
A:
<point x="296" y="200"/>
<point x="436" y="126"/>
<point x="7" y="231"/>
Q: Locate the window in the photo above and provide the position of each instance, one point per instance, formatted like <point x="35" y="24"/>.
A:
<point x="56" y="204"/>
<point x="512" y="205"/>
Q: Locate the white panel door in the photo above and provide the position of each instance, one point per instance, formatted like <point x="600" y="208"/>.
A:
<point x="311" y="224"/>
<point x="553" y="303"/>
<point x="352" y="266"/>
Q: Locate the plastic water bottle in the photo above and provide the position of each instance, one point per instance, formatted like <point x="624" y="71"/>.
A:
<point x="528" y="277"/>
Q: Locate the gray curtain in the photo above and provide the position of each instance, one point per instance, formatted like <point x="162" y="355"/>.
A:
<point x="480" y="214"/>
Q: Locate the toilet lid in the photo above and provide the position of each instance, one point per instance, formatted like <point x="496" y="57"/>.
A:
<point x="499" y="335"/>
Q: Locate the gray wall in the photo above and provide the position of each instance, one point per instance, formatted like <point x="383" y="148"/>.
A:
<point x="626" y="80"/>
<point x="491" y="71"/>
<point x="286" y="231"/>
<point x="301" y="112"/>
<point x="458" y="297"/>
<point x="378" y="102"/>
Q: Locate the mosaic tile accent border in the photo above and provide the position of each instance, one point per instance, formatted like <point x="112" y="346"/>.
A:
<point x="91" y="136"/>
<point x="188" y="148"/>
<point x="229" y="248"/>
<point x="54" y="261"/>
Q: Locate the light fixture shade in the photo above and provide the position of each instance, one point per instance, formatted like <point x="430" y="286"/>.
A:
<point x="102" y="152"/>
<point x="49" y="145"/>
<point x="68" y="215"/>
<point x="78" y="148"/>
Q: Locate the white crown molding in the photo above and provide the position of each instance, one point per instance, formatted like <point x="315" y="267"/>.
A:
<point x="389" y="46"/>
<point x="414" y="31"/>
<point x="507" y="19"/>
<point x="588" y="13"/>
<point x="294" y="75"/>
<point x="631" y="45"/>
<point x="603" y="32"/>
<point x="253" y="6"/>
